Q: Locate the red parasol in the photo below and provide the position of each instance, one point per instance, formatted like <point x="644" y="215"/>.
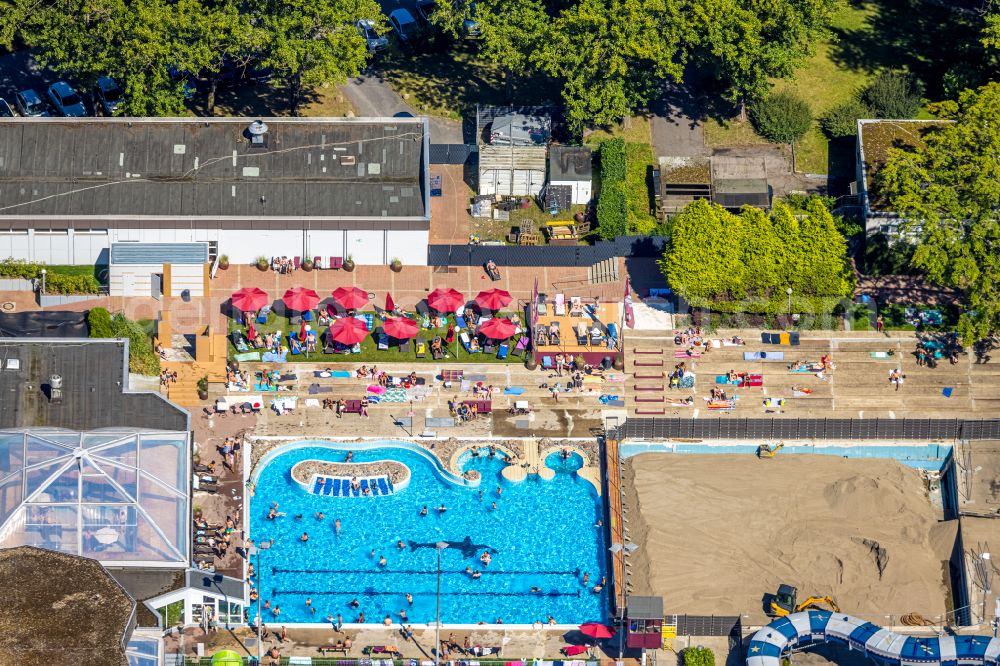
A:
<point x="351" y="298"/>
<point x="349" y="330"/>
<point x="595" y="630"/>
<point x="400" y="328"/>
<point x="445" y="299"/>
<point x="249" y="299"/>
<point x="390" y="306"/>
<point x="493" y="299"/>
<point x="498" y="329"/>
<point x="300" y="299"/>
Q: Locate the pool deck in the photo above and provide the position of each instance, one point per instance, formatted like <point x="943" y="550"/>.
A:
<point x="518" y="643"/>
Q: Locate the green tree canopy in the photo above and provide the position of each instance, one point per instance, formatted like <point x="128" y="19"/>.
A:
<point x="948" y="191"/>
<point x="746" y="262"/>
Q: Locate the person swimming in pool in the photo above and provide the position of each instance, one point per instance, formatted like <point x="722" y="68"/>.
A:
<point x="486" y="558"/>
<point x="304" y="538"/>
<point x="409" y="598"/>
<point x="355" y="603"/>
<point x="400" y="544"/>
<point x="382" y="561"/>
<point x="336" y="526"/>
<point x="423" y="511"/>
<point x="442" y="509"/>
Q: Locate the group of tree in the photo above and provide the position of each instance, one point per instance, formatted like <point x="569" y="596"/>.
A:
<point x="613" y="56"/>
<point x="746" y="262"/>
<point x="609" y="57"/>
<point x="141" y="43"/>
<point x="947" y="192"/>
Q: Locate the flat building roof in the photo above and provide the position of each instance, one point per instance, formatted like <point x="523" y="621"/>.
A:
<point x="115" y="171"/>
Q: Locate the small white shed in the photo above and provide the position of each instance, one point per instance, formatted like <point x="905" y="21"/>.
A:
<point x="572" y="166"/>
<point x="512" y="170"/>
<point x="158" y="269"/>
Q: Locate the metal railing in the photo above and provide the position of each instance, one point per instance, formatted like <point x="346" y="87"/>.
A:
<point x="890" y="429"/>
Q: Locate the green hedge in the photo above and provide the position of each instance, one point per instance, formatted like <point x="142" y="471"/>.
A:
<point x="142" y="358"/>
<point x="699" y="656"/>
<point x="612" y="204"/>
<point x="56" y="281"/>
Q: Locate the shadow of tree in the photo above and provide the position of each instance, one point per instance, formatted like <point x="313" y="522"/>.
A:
<point x="255" y="100"/>
<point x="924" y="38"/>
<point x="451" y="81"/>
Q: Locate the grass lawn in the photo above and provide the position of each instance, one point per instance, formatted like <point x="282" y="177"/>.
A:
<point x="369" y="347"/>
<point x="450" y="81"/>
<point x="634" y="130"/>
<point x="821" y="81"/>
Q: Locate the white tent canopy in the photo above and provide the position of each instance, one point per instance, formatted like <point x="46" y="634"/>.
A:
<point x="118" y="496"/>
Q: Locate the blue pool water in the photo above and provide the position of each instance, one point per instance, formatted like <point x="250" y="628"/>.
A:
<point x="542" y="534"/>
<point x="918" y="456"/>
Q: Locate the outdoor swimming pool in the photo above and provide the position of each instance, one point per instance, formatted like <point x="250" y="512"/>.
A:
<point x="542" y="535"/>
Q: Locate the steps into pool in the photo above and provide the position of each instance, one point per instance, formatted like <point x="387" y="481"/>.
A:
<point x="340" y="486"/>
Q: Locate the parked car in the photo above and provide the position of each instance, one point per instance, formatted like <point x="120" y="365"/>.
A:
<point x="471" y="23"/>
<point x="425" y="8"/>
<point x="29" y="104"/>
<point x="107" y="95"/>
<point x="404" y="24"/>
<point x="184" y="78"/>
<point x="66" y="100"/>
<point x="366" y="28"/>
<point x="5" y="110"/>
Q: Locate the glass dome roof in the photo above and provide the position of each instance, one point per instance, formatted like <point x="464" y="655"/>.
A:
<point x="118" y="496"/>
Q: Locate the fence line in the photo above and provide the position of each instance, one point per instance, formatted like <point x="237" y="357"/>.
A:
<point x="918" y="429"/>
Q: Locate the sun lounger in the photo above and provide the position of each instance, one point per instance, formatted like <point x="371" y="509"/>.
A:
<point x="471" y="344"/>
<point x="560" y="305"/>
<point x="489" y="345"/>
<point x="404" y="346"/>
<point x="262" y="315"/>
<point x="546" y="362"/>
<point x="383" y="340"/>
<point x="581" y="333"/>
<point x="460" y="322"/>
<point x="421" y="347"/>
<point x="520" y="347"/>
<point x="297" y="262"/>
<point x="503" y="351"/>
<point x="336" y="263"/>
<point x="575" y="306"/>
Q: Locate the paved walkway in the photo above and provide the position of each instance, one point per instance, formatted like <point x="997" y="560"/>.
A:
<point x="372" y="96"/>
<point x="677" y="127"/>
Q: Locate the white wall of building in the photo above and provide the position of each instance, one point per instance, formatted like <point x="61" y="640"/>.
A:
<point x="326" y="244"/>
<point x="133" y="279"/>
<point x="190" y="277"/>
<point x="243" y="247"/>
<point x="410" y="247"/>
<point x="581" y="189"/>
<point x="16" y="244"/>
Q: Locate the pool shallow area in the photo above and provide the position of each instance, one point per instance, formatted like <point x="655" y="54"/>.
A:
<point x="542" y="536"/>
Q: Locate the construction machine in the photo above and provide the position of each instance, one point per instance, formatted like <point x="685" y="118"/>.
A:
<point x="785" y="602"/>
<point x="768" y="451"/>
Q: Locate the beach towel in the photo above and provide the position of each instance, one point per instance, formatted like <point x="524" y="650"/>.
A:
<point x="377" y="390"/>
<point x="248" y="356"/>
<point x="880" y="354"/>
<point x="513" y="390"/>
<point x="774" y="402"/>
<point x="272" y="357"/>
<point x="947" y="391"/>
<point x="260" y="387"/>
<point x="801" y="393"/>
<point x="312" y="402"/>
<point x="394" y="395"/>
<point x="687" y="381"/>
<point x="615" y="377"/>
<point x="343" y="374"/>
<point x="763" y="356"/>
<point x="684" y="354"/>
<point x="804" y="368"/>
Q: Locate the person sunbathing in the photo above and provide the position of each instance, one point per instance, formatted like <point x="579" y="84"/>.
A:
<point x="362" y="372"/>
<point x="436" y="350"/>
<point x="732" y="376"/>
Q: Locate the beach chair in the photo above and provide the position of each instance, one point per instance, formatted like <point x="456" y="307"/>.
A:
<point x="488" y="345"/>
<point x="318" y="263"/>
<point x="420" y="347"/>
<point x="336" y="263"/>
<point x="262" y="315"/>
<point x="581" y="334"/>
<point x="460" y="322"/>
<point x="383" y="340"/>
<point x="307" y="315"/>
<point x="560" y="305"/>
<point x="404" y="346"/>
<point x="520" y="347"/>
<point x="240" y="341"/>
<point x="575" y="306"/>
<point x="546" y="363"/>
<point x="297" y="262"/>
<point x="463" y="337"/>
<point x="612" y="334"/>
<point x="503" y="351"/>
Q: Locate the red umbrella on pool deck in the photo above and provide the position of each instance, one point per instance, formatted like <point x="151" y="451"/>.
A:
<point x="493" y="299"/>
<point x="351" y="298"/>
<point x="498" y="329"/>
<point x="249" y="299"/>
<point x="300" y="299"/>
<point x="400" y="328"/>
<point x="445" y="299"/>
<point x="349" y="330"/>
<point x="595" y="630"/>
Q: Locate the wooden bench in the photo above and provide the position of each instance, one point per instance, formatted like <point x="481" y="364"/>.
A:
<point x="482" y="406"/>
<point x="335" y="649"/>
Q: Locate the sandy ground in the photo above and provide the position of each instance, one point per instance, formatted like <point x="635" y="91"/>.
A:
<point x="717" y="532"/>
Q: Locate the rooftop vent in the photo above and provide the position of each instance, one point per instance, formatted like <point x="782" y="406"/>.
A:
<point x="13" y="364"/>
<point x="258" y="132"/>
<point x="55" y="388"/>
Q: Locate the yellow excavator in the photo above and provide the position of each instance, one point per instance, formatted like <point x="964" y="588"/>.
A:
<point x="768" y="451"/>
<point x="784" y="602"/>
